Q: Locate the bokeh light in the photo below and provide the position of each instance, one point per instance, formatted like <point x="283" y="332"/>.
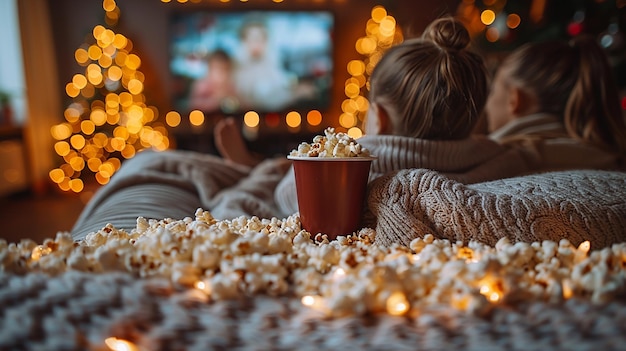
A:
<point x="314" y="117"/>
<point x="251" y="119"/>
<point x="488" y="17"/>
<point x="293" y="119"/>
<point x="513" y="21"/>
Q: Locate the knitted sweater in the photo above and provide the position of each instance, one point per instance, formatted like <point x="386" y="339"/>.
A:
<point x="471" y="160"/>
<point x="576" y="205"/>
<point x="546" y="146"/>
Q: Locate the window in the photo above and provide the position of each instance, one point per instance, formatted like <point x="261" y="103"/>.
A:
<point x="11" y="66"/>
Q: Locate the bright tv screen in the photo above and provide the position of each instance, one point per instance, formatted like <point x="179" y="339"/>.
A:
<point x="264" y="61"/>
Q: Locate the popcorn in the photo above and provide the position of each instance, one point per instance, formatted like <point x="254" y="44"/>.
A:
<point x="347" y="276"/>
<point x="331" y="144"/>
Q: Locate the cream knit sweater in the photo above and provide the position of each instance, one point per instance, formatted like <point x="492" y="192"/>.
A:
<point x="546" y="146"/>
<point x="577" y="205"/>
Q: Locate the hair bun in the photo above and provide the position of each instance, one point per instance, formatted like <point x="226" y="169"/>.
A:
<point x="447" y="33"/>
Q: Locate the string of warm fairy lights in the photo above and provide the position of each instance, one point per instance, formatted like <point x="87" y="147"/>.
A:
<point x="381" y="33"/>
<point x="98" y="133"/>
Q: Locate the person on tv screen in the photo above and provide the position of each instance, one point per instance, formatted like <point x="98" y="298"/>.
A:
<point x="216" y="90"/>
<point x="262" y="83"/>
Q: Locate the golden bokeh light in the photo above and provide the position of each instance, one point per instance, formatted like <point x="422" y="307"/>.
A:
<point x="117" y="143"/>
<point x="62" y="148"/>
<point x="119" y="42"/>
<point x="251" y="119"/>
<point x="365" y="45"/>
<point x="97" y="31"/>
<point x="77" y="141"/>
<point x="114" y="73"/>
<point x="135" y="86"/>
<point x="71" y="90"/>
<point x="349" y="106"/>
<point x="94" y="52"/>
<point x="487" y="17"/>
<point x="79" y="81"/>
<point x="77" y="163"/>
<point x="352" y="90"/>
<point x="355" y="132"/>
<point x="347" y="120"/>
<point x="94" y="164"/>
<point x="87" y="127"/>
<point x="71" y="114"/>
<point x="105" y="61"/>
<point x="108" y="5"/>
<point x="57" y="175"/>
<point x="356" y="67"/>
<point x="61" y="131"/>
<point x="196" y="118"/>
<point x="81" y="56"/>
<point x="77" y="185"/>
<point x="378" y="13"/>
<point x="293" y="119"/>
<point x="387" y="26"/>
<point x="314" y="117"/>
<point x="172" y="119"/>
<point x="133" y="61"/>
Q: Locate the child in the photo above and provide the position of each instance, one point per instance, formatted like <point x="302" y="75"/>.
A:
<point x="262" y="82"/>
<point x="216" y="90"/>
<point x="426" y="95"/>
<point x="559" y="104"/>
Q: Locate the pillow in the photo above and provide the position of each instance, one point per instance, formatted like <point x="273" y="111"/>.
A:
<point x="576" y="205"/>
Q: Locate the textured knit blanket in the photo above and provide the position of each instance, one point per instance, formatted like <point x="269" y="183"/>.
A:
<point x="87" y="312"/>
<point x="580" y="205"/>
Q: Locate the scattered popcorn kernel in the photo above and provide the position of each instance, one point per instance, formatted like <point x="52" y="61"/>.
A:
<point x="228" y="259"/>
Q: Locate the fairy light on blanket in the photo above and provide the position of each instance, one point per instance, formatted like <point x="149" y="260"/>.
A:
<point x="339" y="273"/>
<point x="491" y="289"/>
<point x="315" y="302"/>
<point x="116" y="344"/>
<point x="39" y="251"/>
<point x="397" y="304"/>
<point x="203" y="286"/>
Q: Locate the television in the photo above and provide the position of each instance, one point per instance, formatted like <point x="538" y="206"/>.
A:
<point x="265" y="61"/>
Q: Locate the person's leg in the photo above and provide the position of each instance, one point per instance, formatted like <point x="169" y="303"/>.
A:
<point x="230" y="144"/>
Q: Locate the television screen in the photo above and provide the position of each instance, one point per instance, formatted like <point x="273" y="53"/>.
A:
<point x="264" y="61"/>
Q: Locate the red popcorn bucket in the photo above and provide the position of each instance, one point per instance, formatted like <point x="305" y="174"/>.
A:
<point x="331" y="193"/>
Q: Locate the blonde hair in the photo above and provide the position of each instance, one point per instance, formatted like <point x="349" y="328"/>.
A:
<point x="573" y="80"/>
<point x="432" y="87"/>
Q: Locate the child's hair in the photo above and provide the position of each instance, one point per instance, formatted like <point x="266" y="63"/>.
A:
<point x="432" y="87"/>
<point x="219" y="55"/>
<point x="573" y="80"/>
